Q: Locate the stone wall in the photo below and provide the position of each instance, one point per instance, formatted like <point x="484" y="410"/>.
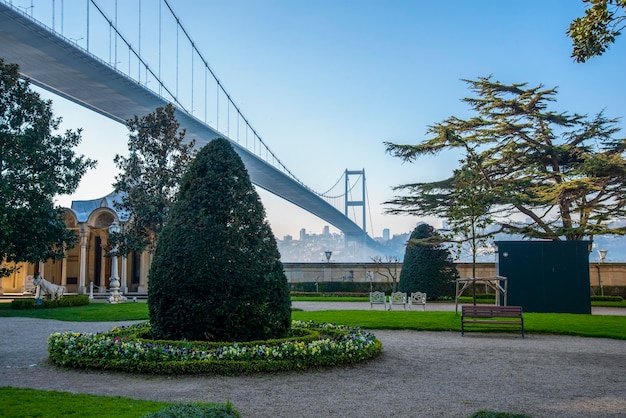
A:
<point x="600" y="274"/>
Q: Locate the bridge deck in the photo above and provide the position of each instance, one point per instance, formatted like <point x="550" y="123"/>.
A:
<point x="65" y="69"/>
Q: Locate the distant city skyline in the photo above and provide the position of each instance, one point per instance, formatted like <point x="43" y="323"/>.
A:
<point x="309" y="246"/>
<point x="326" y="83"/>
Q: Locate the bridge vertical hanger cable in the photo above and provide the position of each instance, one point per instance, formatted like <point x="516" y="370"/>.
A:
<point x="115" y="34"/>
<point x="192" y="73"/>
<point x="160" y="28"/>
<point x="363" y="196"/>
<point x="369" y="209"/>
<point x="177" y="45"/>
<point x="110" y="51"/>
<point x="139" y="42"/>
<point x="88" y="26"/>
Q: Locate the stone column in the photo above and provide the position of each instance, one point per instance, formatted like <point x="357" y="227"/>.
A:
<point x="64" y="270"/>
<point x="103" y="288"/>
<point x="84" y="239"/>
<point x="116" y="296"/>
<point x="124" y="275"/>
<point x="146" y="259"/>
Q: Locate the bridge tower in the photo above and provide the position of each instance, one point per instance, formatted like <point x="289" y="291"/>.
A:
<point x="349" y="202"/>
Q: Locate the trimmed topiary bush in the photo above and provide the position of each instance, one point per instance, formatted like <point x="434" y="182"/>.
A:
<point x="427" y="265"/>
<point x="216" y="273"/>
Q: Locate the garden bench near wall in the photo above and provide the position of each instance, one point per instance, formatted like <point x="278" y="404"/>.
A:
<point x="397" y="298"/>
<point x="491" y="315"/>
<point x="418" y="298"/>
<point x="378" y="298"/>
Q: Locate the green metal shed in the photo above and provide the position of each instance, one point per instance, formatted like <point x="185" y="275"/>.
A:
<point x="546" y="276"/>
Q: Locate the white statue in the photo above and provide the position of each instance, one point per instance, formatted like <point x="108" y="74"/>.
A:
<point x="53" y="291"/>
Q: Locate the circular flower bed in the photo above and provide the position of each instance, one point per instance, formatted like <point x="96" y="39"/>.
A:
<point x="130" y="349"/>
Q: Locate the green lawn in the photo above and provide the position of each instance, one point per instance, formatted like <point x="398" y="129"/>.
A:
<point x="462" y="299"/>
<point x="600" y="326"/>
<point x="604" y="326"/>
<point x="94" y="312"/>
<point x="18" y="402"/>
<point x="621" y="304"/>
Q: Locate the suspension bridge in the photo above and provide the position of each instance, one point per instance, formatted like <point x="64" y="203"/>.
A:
<point x="103" y="57"/>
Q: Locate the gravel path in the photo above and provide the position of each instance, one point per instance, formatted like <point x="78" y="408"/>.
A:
<point x="423" y="374"/>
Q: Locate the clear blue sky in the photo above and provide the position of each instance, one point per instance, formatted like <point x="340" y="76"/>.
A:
<point x="326" y="82"/>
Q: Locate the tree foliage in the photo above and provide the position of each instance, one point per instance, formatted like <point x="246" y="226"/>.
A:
<point x="216" y="274"/>
<point x="427" y="265"/>
<point x="593" y="33"/>
<point x="150" y="175"/>
<point x="36" y="165"/>
<point x="564" y="173"/>
<point x="469" y="217"/>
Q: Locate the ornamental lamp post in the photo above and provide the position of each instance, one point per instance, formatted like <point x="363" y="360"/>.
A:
<point x="116" y="296"/>
<point x="329" y="254"/>
<point x="602" y="259"/>
<point x="603" y="254"/>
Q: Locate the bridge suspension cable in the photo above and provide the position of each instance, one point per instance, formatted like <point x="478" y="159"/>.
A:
<point x="133" y="80"/>
<point x="149" y="69"/>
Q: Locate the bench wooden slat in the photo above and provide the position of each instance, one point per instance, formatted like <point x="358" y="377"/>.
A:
<point x="490" y="314"/>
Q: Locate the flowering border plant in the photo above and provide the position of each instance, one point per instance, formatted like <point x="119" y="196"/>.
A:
<point x="130" y="349"/>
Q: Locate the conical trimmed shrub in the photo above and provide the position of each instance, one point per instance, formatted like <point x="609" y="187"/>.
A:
<point x="427" y="265"/>
<point x="216" y="273"/>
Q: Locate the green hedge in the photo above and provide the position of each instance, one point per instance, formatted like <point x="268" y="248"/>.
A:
<point x="64" y="302"/>
<point x="609" y="291"/>
<point x="482" y="296"/>
<point x="127" y="349"/>
<point x="607" y="298"/>
<point x="196" y="411"/>
<point x="342" y="287"/>
<point x="331" y="295"/>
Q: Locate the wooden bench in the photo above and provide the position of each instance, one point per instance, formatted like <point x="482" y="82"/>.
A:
<point x="491" y="314"/>
<point x="397" y="298"/>
<point x="378" y="298"/>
